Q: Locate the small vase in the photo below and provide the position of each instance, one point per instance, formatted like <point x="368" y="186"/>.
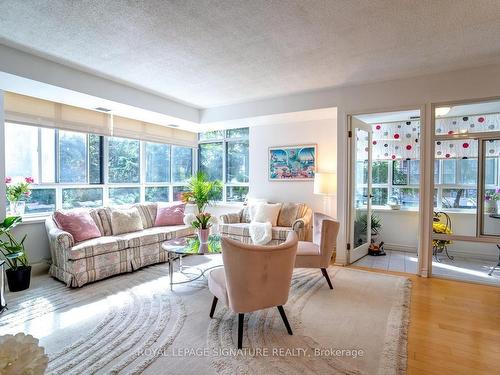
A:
<point x="203" y="235"/>
<point x="17" y="208"/>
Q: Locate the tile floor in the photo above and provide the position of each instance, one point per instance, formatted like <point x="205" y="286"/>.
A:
<point x="460" y="268"/>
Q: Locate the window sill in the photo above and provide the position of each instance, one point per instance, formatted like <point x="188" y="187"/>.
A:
<point x="34" y="219"/>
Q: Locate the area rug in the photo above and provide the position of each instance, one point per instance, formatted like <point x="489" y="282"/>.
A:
<point x="134" y="324"/>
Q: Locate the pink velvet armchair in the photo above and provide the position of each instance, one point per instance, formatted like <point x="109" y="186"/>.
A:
<point x="253" y="278"/>
<point x="318" y="254"/>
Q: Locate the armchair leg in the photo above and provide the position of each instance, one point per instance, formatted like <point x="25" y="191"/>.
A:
<point x="240" y="330"/>
<point x="214" y="304"/>
<point x="285" y="320"/>
<point x="325" y="274"/>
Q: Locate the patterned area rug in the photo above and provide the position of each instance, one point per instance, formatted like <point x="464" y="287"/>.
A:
<point x="133" y="324"/>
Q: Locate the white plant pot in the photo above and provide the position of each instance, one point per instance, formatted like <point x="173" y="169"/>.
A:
<point x="498" y="207"/>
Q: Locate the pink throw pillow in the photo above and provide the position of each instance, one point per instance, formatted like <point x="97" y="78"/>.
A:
<point x="78" y="223"/>
<point x="172" y="214"/>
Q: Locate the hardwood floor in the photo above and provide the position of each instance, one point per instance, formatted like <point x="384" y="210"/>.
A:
<point x="454" y="327"/>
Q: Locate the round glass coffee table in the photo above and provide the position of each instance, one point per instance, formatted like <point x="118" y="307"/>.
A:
<point x="189" y="245"/>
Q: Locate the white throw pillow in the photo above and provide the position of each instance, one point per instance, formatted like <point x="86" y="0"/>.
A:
<point x="252" y="204"/>
<point x="126" y="221"/>
<point x="267" y="212"/>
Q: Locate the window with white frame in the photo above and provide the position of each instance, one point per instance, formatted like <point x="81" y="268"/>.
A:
<point x="74" y="169"/>
<point x="224" y="155"/>
<point x="455" y="180"/>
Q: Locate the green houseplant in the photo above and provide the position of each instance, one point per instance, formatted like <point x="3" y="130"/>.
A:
<point x="202" y="192"/>
<point x="19" y="272"/>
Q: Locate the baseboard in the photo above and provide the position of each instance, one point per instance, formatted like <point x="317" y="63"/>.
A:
<point x="40" y="268"/>
<point x="398" y="247"/>
<point x="457" y="253"/>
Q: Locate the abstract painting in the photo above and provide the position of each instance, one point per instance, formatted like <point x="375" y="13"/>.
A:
<point x="292" y="163"/>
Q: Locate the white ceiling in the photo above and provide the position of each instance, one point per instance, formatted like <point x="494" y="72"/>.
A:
<point x="212" y="52"/>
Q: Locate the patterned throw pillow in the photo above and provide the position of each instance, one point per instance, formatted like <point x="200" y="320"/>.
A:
<point x="167" y="215"/>
<point x="288" y="214"/>
<point x="78" y="223"/>
<point x="126" y="221"/>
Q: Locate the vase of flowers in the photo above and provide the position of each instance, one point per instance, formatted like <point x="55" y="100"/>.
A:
<point x="17" y="194"/>
<point x="202" y="222"/>
<point x="496" y="198"/>
<point x="490" y="205"/>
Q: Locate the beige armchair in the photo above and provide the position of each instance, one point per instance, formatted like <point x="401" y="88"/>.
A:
<point x="253" y="278"/>
<point x="318" y="254"/>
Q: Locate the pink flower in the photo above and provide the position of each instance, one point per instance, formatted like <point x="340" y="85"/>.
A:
<point x="8" y="180"/>
<point x="29" y="180"/>
<point x="27" y="194"/>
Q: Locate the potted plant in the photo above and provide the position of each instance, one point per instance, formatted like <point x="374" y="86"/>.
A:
<point x="203" y="222"/>
<point x="17" y="194"/>
<point x="202" y="192"/>
<point x="376" y="224"/>
<point x="19" y="272"/>
<point x="490" y="205"/>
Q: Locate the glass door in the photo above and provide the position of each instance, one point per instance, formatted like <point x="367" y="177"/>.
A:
<point x="466" y="222"/>
<point x="361" y="189"/>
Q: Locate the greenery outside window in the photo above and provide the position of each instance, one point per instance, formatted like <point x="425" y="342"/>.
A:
<point x="224" y="155"/>
<point x="73" y="169"/>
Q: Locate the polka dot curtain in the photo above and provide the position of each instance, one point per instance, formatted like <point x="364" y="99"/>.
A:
<point x="395" y="140"/>
<point x="401" y="140"/>
<point x="468" y="124"/>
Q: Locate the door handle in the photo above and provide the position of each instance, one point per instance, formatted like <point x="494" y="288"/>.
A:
<point x="366" y="196"/>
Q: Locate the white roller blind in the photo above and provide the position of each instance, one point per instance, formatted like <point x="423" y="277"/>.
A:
<point x="129" y="128"/>
<point x="38" y="112"/>
<point x="33" y="111"/>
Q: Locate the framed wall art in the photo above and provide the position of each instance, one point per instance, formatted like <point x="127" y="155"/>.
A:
<point x="296" y="163"/>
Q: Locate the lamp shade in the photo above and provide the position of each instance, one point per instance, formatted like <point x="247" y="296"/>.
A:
<point x="325" y="183"/>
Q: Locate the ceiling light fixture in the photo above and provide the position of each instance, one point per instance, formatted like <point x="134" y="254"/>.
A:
<point x="442" y="111"/>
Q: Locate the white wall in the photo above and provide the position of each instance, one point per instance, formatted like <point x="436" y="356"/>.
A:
<point x="37" y="243"/>
<point x="320" y="132"/>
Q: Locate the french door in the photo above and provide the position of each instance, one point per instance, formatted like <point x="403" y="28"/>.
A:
<point x="360" y="189"/>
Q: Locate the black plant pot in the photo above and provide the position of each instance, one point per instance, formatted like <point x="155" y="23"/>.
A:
<point x="19" y="279"/>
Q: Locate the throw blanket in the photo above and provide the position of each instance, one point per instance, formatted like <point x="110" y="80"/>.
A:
<point x="260" y="233"/>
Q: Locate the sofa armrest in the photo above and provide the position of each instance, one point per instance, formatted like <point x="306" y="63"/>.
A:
<point x="59" y="240"/>
<point x="303" y="226"/>
<point x="231" y="218"/>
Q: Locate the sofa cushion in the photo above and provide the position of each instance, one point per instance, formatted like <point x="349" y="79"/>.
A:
<point x="78" y="223"/>
<point x="148" y="213"/>
<point x="96" y="246"/>
<point x="243" y="230"/>
<point x="126" y="221"/>
<point x="105" y="216"/>
<point x="267" y="212"/>
<point x="288" y="214"/>
<point x="154" y="235"/>
<point x="172" y="214"/>
<point x="248" y="211"/>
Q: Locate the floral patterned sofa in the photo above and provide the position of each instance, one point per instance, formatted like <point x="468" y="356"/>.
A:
<point x="292" y="217"/>
<point x="80" y="263"/>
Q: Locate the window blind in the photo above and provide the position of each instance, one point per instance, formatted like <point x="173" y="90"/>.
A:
<point x="130" y="128"/>
<point x="38" y="112"/>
